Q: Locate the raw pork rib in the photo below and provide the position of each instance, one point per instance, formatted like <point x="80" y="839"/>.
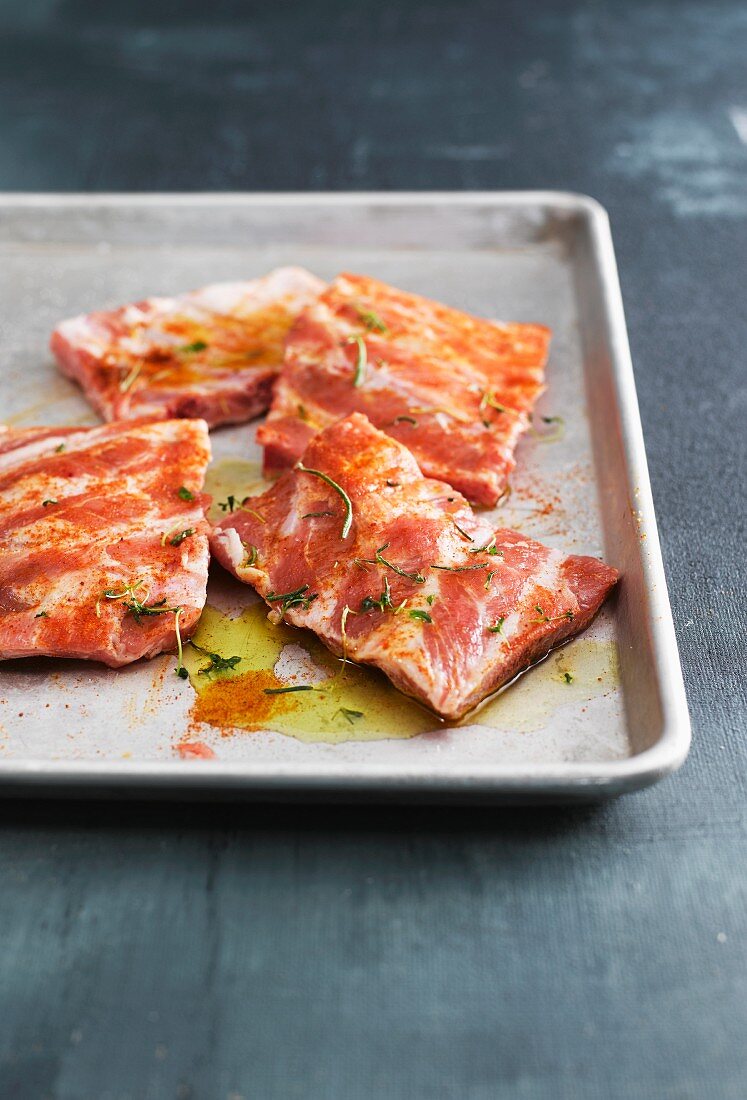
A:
<point x="213" y="353"/>
<point x="447" y="607"/>
<point x="456" y="390"/>
<point x="102" y="538"/>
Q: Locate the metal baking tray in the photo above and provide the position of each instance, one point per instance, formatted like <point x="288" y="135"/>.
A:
<point x="80" y="729"/>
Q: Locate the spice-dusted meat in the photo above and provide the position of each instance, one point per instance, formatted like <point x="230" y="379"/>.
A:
<point x="455" y="389"/>
<point x="102" y="539"/>
<point x="213" y="353"/>
<point x="395" y="570"/>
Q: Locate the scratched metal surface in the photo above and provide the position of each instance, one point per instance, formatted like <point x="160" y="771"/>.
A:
<point x="520" y="259"/>
<point x="547" y="954"/>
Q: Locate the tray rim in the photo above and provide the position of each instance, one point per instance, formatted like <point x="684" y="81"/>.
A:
<point x="461" y="782"/>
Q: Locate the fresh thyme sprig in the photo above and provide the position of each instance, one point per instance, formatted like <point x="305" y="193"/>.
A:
<point x="296" y="598"/>
<point x="216" y="663"/>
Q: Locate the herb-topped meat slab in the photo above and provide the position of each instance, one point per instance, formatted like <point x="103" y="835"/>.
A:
<point x="103" y="541"/>
<point x="456" y="390"/>
<point x="213" y="353"/>
<point x="393" y="569"/>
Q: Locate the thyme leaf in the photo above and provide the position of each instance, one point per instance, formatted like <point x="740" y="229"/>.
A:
<point x="296" y="598"/>
<point x="184" y="493"/>
<point x="195" y="346"/>
<point x="498" y="627"/>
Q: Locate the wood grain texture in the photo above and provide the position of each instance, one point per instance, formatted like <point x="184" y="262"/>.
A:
<point x="544" y="954"/>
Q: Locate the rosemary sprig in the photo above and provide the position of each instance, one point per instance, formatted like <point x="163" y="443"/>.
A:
<point x="351" y="716"/>
<point x="347" y="524"/>
<point x="418" y="578"/>
<point x="461" y="568"/>
<point x="463" y="534"/>
<point x="296" y="598"/>
<point x="286" y="690"/>
<point x="384" y="602"/>
<point x="498" y="627"/>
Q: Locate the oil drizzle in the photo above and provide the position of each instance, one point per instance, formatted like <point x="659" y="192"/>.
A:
<point x="237" y="477"/>
<point x="353" y="703"/>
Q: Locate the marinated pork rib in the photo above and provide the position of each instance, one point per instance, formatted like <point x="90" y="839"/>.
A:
<point x="213" y="353"/>
<point x="103" y="542"/>
<point x="393" y="569"/>
<point x="456" y="390"/>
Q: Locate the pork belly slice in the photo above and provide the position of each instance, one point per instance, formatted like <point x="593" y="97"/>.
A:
<point x="213" y="353"/>
<point x="102" y="539"/>
<point x="456" y="390"/>
<point x="419" y="586"/>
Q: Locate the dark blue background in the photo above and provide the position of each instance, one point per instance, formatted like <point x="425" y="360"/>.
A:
<point x="258" y="953"/>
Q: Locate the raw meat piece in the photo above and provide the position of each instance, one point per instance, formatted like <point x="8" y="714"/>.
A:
<point x="213" y="353"/>
<point x="414" y="583"/>
<point x="102" y="539"/>
<point x="456" y="390"/>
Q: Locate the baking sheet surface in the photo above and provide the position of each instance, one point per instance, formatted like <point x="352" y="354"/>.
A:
<point x="56" y="713"/>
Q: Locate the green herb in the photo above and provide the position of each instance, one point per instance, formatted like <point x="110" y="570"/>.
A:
<point x="372" y="320"/>
<point x="384" y="602"/>
<point x="555" y="434"/>
<point x="296" y="598"/>
<point x="184" y="493"/>
<point x="229" y="504"/>
<point x="339" y="490"/>
<point x="489" y="579"/>
<point x="568" y="677"/>
<point x="423" y="616"/>
<point x="180" y="669"/>
<point x="430" y="600"/>
<point x="543" y="618"/>
<point x="489" y="400"/>
<point x="285" y="690"/>
<point x="47" y="502"/>
<point x="351" y="715"/>
<point x="463" y="533"/>
<point x="252" y="553"/>
<point x="60" y="449"/>
<point x="316" y="515"/>
<point x="418" y="578"/>
<point x="392" y="484"/>
<point x="461" y="568"/>
<point x="197" y="345"/>
<point x="129" y="381"/>
<point x="302" y="414"/>
<point x="216" y="662"/>
<point x="488" y="548"/>
<point x="139" y="610"/>
<point x="42" y="615"/>
<point x="498" y="628"/>
<point x="361" y="360"/>
<point x="405" y="420"/>
<point x="177" y="540"/>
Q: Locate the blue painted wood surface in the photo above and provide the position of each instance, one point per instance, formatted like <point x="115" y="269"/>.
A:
<point x="227" y="952"/>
